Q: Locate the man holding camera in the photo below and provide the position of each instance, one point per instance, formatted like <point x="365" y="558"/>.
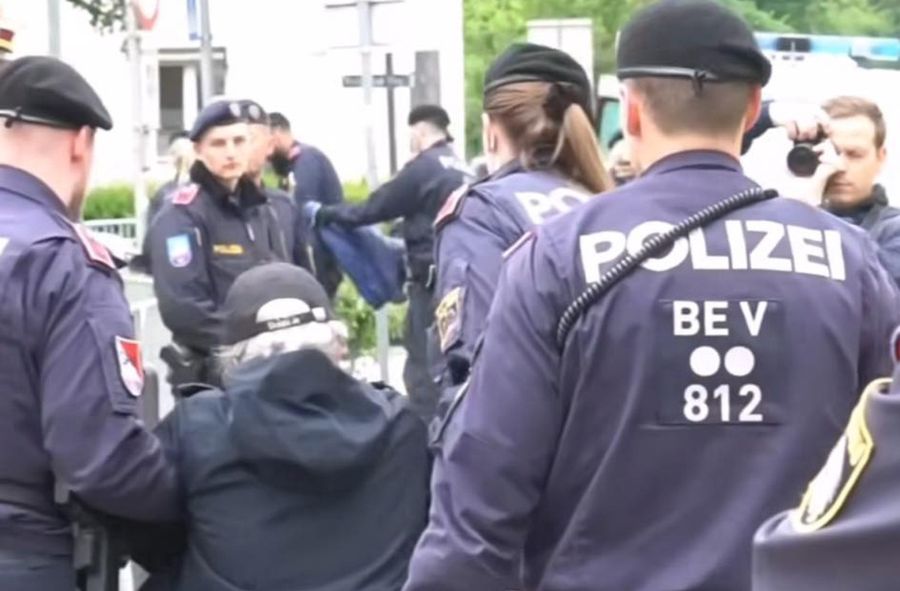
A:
<point x="841" y="146"/>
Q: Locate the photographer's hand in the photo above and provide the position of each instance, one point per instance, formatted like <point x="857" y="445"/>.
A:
<point x="802" y="121"/>
<point x="812" y="189"/>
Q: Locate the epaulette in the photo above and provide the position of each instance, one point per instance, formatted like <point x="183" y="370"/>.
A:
<point x="518" y="243"/>
<point x="96" y="252"/>
<point x="294" y="151"/>
<point x="185" y="195"/>
<point x="451" y="208"/>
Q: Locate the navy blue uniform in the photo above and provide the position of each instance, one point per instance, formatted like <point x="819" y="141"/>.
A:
<point x="472" y="235"/>
<point x="843" y="534"/>
<point x="71" y="373"/>
<point x="294" y="227"/>
<point x="314" y="176"/>
<point x="692" y="401"/>
<point x="201" y="240"/>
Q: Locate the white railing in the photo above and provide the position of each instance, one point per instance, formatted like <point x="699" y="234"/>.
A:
<point x="122" y="227"/>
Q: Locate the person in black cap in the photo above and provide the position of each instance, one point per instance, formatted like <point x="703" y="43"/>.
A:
<point x="209" y="232"/>
<point x="415" y="194"/>
<point x="645" y="396"/>
<point x="71" y="371"/>
<point x="294" y="226"/>
<point x="293" y="455"/>
<point x="543" y="160"/>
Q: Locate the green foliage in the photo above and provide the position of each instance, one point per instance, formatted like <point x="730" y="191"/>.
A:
<point x="356" y="191"/>
<point x="105" y="15"/>
<point x="109" y="202"/>
<point x="491" y="25"/>
<point x="360" y="319"/>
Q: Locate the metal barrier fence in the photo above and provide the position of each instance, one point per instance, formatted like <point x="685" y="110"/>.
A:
<point x="122" y="227"/>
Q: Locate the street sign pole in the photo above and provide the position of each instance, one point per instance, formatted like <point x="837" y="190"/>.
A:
<point x="137" y="97"/>
<point x="364" y="8"/>
<point x="391" y="116"/>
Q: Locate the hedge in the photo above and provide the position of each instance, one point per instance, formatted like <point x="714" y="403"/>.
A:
<point x="117" y="201"/>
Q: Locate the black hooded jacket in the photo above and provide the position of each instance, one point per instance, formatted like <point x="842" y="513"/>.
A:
<point x="298" y="477"/>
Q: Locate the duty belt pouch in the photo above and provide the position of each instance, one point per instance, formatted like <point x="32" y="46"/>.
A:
<point x="630" y="262"/>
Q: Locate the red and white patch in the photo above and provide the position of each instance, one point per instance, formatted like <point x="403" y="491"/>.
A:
<point x="92" y="247"/>
<point x="452" y="206"/>
<point x="185" y="195"/>
<point x="131" y="365"/>
<point x="294" y="151"/>
<point x="895" y="345"/>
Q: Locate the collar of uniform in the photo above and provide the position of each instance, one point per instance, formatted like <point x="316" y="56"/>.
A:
<point x="29" y="186"/>
<point x="694" y="159"/>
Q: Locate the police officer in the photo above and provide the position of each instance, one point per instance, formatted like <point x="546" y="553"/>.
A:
<point x="415" y="194"/>
<point x="844" y="533"/>
<point x="632" y="432"/>
<point x="70" y="369"/>
<point x="313" y="177"/>
<point x="293" y="225"/>
<point x="208" y="233"/>
<point x="540" y="149"/>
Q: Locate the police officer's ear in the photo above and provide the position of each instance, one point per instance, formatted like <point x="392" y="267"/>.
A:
<point x="754" y="107"/>
<point x="489" y="135"/>
<point x="631" y="111"/>
<point x="83" y="145"/>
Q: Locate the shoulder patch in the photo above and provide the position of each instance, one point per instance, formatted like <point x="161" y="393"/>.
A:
<point x="131" y="365"/>
<point x="96" y="252"/>
<point x="294" y="151"/>
<point x="829" y="490"/>
<point x="518" y="243"/>
<point x="452" y="206"/>
<point x="186" y="194"/>
<point x="448" y="317"/>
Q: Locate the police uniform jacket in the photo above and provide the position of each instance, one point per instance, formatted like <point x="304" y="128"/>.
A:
<point x="474" y="228"/>
<point x="71" y="377"/>
<point x="843" y="534"/>
<point x="202" y="239"/>
<point x="415" y="194"/>
<point x="689" y="403"/>
<point x="314" y="176"/>
<point x="294" y="227"/>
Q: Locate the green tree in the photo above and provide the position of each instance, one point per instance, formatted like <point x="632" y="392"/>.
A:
<point x="105" y="15"/>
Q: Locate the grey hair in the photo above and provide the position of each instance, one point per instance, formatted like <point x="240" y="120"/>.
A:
<point x="327" y="336"/>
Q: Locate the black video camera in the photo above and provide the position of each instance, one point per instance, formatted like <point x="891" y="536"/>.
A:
<point x="803" y="160"/>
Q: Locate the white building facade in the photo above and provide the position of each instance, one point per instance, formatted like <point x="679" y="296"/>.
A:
<point x="289" y="55"/>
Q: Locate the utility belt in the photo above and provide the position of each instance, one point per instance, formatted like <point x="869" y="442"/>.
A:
<point x="96" y="550"/>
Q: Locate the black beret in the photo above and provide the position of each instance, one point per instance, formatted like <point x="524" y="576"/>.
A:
<point x="253" y="112"/>
<point x="46" y="91"/>
<point x="528" y="62"/>
<point x="697" y="39"/>
<point x="216" y="114"/>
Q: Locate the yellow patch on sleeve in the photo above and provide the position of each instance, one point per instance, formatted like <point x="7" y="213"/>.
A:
<point x="228" y="249"/>
<point x="828" y="492"/>
<point x="448" y="317"/>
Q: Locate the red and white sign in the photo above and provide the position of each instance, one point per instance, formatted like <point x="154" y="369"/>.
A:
<point x="146" y="11"/>
<point x="131" y="365"/>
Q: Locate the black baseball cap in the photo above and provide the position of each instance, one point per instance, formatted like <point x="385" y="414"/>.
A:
<point x="245" y="305"/>
<point x="43" y="90"/>
<point x="701" y="40"/>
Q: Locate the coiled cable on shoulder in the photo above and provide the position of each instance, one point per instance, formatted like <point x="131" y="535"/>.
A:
<point x="652" y="247"/>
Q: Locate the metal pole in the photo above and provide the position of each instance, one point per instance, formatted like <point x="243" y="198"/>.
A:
<point x="206" y="57"/>
<point x="364" y="8"/>
<point x="53" y="18"/>
<point x="137" y="109"/>
<point x="391" y="115"/>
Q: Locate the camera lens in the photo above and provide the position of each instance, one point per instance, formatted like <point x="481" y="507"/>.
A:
<point x="802" y="160"/>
